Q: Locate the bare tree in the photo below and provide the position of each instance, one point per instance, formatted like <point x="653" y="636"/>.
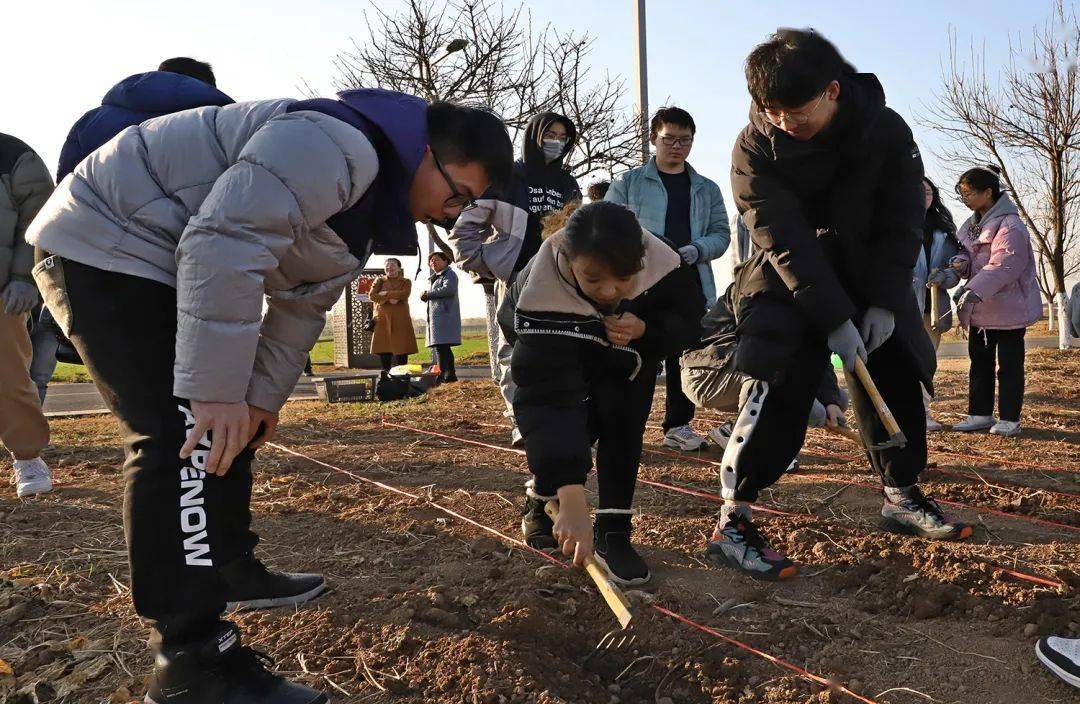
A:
<point x="472" y="51"/>
<point x="1025" y="119"/>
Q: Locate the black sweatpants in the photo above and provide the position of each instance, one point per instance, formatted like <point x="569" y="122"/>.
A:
<point x="1008" y="348"/>
<point x="618" y="410"/>
<point x="443" y="355"/>
<point x="181" y="525"/>
<point x="678" y="409"/>
<point x="771" y="427"/>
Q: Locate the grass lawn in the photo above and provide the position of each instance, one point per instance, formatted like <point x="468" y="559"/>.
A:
<point x="472" y="350"/>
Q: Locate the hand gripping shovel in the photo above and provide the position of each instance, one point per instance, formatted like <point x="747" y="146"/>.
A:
<point x="614" y="596"/>
<point x="616" y="600"/>
<point x="896" y="436"/>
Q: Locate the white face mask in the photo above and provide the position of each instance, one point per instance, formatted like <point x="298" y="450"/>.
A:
<point x="553" y="149"/>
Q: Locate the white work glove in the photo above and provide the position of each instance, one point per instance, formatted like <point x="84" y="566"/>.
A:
<point x="846" y="343"/>
<point x="690" y="254"/>
<point x="877" y="327"/>
<point x="19" y="297"/>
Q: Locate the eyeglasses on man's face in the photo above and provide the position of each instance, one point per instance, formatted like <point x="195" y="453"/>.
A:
<point x="792" y="117"/>
<point x="457" y="199"/>
<point x="670" y="141"/>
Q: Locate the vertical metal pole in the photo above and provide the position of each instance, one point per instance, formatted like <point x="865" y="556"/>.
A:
<point x="641" y="82"/>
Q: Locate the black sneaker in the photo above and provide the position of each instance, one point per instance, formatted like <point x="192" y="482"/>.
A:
<point x="1061" y="656"/>
<point x="536" y="527"/>
<point x="253" y="586"/>
<point x="739" y="545"/>
<point x="221" y="671"/>
<point x="613" y="551"/>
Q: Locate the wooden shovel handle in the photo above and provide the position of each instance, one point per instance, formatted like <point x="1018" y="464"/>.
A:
<point x="891" y="426"/>
<point x="847" y="432"/>
<point x="935" y="298"/>
<point x="616" y="600"/>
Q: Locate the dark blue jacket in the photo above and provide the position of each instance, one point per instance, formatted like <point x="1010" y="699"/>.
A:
<point x="130" y="102"/>
<point x="396" y="125"/>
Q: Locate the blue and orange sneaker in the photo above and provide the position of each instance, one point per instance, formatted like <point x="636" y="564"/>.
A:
<point x="739" y="545"/>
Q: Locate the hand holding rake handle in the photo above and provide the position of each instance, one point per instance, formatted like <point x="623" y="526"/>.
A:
<point x="614" y="596"/>
<point x="896" y="436"/>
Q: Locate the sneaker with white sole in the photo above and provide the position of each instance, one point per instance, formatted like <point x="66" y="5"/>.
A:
<point x="1061" y="656"/>
<point x="739" y="545"/>
<point x="32" y="477"/>
<point x="916" y="514"/>
<point x="683" y="438"/>
<point x="516" y="438"/>
<point x="973" y="424"/>
<point x="932" y="426"/>
<point x="721" y="434"/>
<point x="614" y="552"/>
<point x="1006" y="428"/>
<point x="250" y="585"/>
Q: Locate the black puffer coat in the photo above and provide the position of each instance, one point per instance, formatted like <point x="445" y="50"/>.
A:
<point x="837" y="224"/>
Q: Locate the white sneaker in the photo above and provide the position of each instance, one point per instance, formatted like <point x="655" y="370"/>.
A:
<point x="683" y="438"/>
<point x="32" y="477"/>
<point x="721" y="434"/>
<point x="1006" y="428"/>
<point x="972" y="424"/>
<point x="1061" y="656"/>
<point x="932" y="426"/>
<point x="516" y="438"/>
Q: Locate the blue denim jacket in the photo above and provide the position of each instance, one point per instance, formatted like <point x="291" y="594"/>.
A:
<point x="642" y="191"/>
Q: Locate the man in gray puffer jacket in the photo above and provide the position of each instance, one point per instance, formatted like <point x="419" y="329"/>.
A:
<point x="155" y="257"/>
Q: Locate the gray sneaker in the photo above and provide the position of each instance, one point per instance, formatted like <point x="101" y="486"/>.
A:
<point x="974" y="424"/>
<point x="915" y="514"/>
<point x="683" y="438"/>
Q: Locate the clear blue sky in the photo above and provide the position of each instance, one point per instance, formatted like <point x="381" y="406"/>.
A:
<point x="61" y="57"/>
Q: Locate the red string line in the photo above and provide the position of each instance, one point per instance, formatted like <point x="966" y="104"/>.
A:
<point x="714" y="497"/>
<point x="519" y="544"/>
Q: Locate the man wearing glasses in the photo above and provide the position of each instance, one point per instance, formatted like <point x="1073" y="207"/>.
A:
<point x="829" y="183"/>
<point x="155" y="257"/>
<point x="674" y="201"/>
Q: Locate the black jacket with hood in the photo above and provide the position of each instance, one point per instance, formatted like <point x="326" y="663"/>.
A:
<point x="837" y="223"/>
<point x="561" y="350"/>
<point x="498" y="237"/>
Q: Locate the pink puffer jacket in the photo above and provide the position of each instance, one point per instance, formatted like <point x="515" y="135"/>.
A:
<point x="1000" y="268"/>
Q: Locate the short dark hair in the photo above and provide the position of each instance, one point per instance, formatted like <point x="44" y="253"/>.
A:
<point x="982" y="177"/>
<point x="597" y="190"/>
<point x="440" y="255"/>
<point x="609" y="233"/>
<point x="793" y="67"/>
<point x="672" y="116"/>
<point x="460" y="134"/>
<point x="190" y="67"/>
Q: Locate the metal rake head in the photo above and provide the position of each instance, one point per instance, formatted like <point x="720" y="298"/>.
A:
<point x="618" y="639"/>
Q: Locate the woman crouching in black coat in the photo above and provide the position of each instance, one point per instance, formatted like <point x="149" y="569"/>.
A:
<point x="589" y="318"/>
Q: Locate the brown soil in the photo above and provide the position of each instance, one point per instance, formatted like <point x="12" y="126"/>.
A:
<point x="426" y="608"/>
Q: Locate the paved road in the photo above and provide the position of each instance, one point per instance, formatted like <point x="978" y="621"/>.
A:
<point x="84" y="399"/>
<point x="76" y="399"/>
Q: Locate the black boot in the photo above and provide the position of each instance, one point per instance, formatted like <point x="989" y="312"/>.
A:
<point x="252" y="586"/>
<point x="611" y="537"/>
<point x="221" y="671"/>
<point x="535" y="524"/>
